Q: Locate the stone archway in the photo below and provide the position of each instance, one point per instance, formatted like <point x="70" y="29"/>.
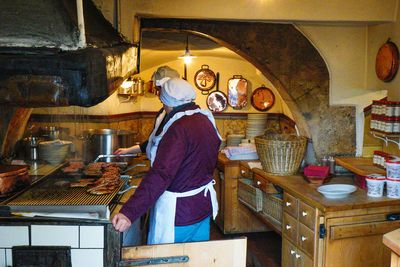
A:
<point x="293" y="65"/>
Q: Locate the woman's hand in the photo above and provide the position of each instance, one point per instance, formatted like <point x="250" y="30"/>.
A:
<point x="133" y="149"/>
<point x="121" y="151"/>
<point x="121" y="222"/>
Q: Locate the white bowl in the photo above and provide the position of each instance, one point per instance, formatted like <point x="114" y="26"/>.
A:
<point x="336" y="190"/>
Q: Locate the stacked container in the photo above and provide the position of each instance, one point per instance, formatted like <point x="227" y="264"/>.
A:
<point x="393" y="178"/>
<point x="385" y="116"/>
<point x="379" y="159"/>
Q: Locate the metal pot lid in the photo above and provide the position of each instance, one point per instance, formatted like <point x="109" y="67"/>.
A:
<point x="262" y="98"/>
<point x="204" y="79"/>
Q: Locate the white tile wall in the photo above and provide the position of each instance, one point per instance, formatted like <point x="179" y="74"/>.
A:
<point x="91" y="237"/>
<point x="55" y="235"/>
<point x="87" y="257"/>
<point x="14" y="236"/>
<point x="3" y="258"/>
<point x="9" y="257"/>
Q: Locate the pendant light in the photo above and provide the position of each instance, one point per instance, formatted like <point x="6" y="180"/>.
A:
<point x="187" y="57"/>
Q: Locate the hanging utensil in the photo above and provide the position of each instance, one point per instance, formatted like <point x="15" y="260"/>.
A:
<point x="204" y="79"/>
<point x="217" y="100"/>
<point x="262" y="98"/>
<point x="237" y="92"/>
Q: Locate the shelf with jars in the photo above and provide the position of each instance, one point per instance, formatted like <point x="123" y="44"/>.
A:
<point x="385" y="121"/>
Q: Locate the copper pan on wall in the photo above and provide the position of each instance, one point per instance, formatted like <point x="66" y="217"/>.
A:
<point x="237" y="92"/>
<point x="217" y="100"/>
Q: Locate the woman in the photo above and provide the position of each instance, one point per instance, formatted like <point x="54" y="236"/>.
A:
<point x="183" y="150"/>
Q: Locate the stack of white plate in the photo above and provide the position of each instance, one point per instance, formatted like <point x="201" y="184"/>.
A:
<point x="256" y="124"/>
<point x="234" y="139"/>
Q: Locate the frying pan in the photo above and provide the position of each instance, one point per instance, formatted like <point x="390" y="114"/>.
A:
<point x="217" y="100"/>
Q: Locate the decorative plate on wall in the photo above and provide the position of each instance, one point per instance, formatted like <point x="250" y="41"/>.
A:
<point x="262" y="98"/>
<point x="204" y="79"/>
<point x="387" y="61"/>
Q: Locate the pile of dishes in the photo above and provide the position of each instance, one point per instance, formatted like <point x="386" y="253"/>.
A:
<point x="54" y="152"/>
<point x="256" y="124"/>
<point x="234" y="139"/>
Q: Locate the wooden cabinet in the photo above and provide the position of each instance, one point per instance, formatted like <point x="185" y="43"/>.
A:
<point x="293" y="257"/>
<point x="317" y="231"/>
<point x="298" y="232"/>
<point x="233" y="217"/>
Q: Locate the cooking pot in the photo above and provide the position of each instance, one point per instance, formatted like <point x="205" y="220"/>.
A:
<point x="105" y="142"/>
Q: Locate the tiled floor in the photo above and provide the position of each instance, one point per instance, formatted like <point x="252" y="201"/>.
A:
<point x="263" y="249"/>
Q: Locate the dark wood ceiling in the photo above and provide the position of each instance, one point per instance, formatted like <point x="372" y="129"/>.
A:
<point x="172" y="41"/>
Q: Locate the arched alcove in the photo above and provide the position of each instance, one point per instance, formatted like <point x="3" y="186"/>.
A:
<point x="293" y="65"/>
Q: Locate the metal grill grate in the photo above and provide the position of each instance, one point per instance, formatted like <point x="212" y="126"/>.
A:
<point x="63" y="197"/>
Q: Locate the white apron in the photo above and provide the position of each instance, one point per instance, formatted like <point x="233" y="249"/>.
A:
<point x="162" y="215"/>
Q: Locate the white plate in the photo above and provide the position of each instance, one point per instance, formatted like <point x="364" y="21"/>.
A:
<point x="336" y="190"/>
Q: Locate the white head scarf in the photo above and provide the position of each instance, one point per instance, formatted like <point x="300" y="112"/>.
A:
<point x="176" y="92"/>
<point x="163" y="72"/>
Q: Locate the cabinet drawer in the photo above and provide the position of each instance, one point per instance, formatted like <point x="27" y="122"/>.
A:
<point x="306" y="214"/>
<point x="245" y="171"/>
<point x="306" y="239"/>
<point x="289" y="227"/>
<point x="302" y="260"/>
<point x="288" y="253"/>
<point x="264" y="185"/>
<point x="290" y="204"/>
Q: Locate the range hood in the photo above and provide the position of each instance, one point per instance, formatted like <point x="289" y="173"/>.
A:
<point x="43" y="61"/>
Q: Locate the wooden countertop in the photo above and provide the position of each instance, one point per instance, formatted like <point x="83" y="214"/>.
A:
<point x="359" y="165"/>
<point x="297" y="186"/>
<point x="392" y="240"/>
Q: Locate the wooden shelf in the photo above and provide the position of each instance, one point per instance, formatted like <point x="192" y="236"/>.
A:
<point x="359" y="165"/>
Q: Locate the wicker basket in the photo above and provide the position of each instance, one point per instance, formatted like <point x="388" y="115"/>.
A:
<point x="280" y="154"/>
<point x="272" y="205"/>
<point x="250" y="195"/>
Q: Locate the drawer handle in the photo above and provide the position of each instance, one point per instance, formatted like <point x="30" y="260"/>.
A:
<point x="304" y="213"/>
<point x="303" y="238"/>
<point x="288" y="227"/>
<point x="258" y="182"/>
<point x="288" y="204"/>
<point x="292" y="251"/>
<point x="297" y="256"/>
<point x="243" y="172"/>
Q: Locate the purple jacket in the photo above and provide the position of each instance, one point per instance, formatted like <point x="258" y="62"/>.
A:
<point x="185" y="160"/>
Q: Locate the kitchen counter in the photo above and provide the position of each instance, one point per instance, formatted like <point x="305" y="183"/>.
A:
<point x="318" y="229"/>
<point x="297" y="186"/>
